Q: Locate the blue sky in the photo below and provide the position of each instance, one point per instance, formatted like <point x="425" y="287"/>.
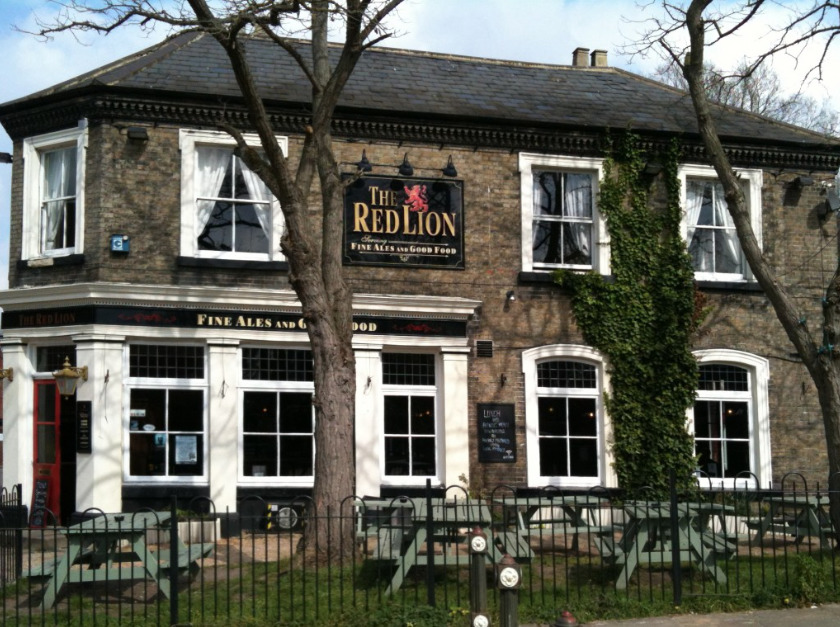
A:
<point x="545" y="31"/>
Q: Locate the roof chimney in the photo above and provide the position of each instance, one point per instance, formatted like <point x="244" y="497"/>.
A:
<point x="599" y="58"/>
<point x="580" y="57"/>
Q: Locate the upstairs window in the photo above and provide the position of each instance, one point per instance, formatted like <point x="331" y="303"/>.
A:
<point x="53" y="194"/>
<point x="709" y="231"/>
<point x="227" y="211"/>
<point x="561" y="226"/>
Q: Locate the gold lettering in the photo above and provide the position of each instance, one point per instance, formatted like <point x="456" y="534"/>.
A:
<point x="392" y="221"/>
<point x="376" y="214"/>
<point x="448" y="224"/>
<point x="407" y="221"/>
<point x="430" y="228"/>
<point x="360" y="214"/>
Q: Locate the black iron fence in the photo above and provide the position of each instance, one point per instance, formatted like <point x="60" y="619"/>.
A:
<point x="282" y="564"/>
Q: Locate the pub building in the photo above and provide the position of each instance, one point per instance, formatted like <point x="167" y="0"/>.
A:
<point x="146" y="275"/>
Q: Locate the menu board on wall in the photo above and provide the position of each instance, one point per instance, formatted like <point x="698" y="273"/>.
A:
<point x="496" y="435"/>
<point x="83" y="427"/>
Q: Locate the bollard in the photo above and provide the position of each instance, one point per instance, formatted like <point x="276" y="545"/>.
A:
<point x="478" y="579"/>
<point x="508" y="580"/>
<point x="566" y="620"/>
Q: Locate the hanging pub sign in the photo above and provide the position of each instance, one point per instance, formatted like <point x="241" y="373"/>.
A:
<point x="409" y="222"/>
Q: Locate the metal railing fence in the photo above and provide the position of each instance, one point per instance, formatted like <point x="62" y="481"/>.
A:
<point x="281" y="563"/>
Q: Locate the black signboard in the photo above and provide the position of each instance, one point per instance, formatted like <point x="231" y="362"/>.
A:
<point x="40" y="493"/>
<point x="83" y="427"/>
<point x="496" y="435"/>
<point x="408" y="222"/>
<point x="205" y="318"/>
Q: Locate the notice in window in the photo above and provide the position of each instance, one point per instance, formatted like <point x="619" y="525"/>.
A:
<point x="186" y="449"/>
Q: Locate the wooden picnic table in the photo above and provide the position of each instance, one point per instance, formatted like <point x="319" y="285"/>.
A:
<point x="403" y="533"/>
<point x="578" y="514"/>
<point x="648" y="539"/>
<point x="800" y="515"/>
<point x="112" y="547"/>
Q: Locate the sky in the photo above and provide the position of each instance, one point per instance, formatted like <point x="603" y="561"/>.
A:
<point x="542" y="31"/>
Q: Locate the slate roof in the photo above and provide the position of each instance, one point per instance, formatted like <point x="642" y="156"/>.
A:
<point x="428" y="85"/>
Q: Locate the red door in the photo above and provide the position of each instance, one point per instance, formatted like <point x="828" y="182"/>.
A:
<point x="47" y="445"/>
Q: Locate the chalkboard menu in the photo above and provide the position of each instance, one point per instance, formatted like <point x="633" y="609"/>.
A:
<point x="496" y="436"/>
<point x="40" y="492"/>
<point x="83" y="410"/>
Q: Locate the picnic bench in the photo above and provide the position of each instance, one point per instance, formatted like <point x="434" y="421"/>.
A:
<point x="112" y="547"/>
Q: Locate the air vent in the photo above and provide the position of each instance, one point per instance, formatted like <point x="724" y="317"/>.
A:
<point x="484" y="348"/>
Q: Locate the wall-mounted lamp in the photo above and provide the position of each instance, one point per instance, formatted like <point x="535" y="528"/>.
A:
<point x="405" y="167"/>
<point x="502" y="380"/>
<point x="68" y="377"/>
<point x="364" y="165"/>
<point x="5" y="157"/>
<point x="803" y="181"/>
<point x="510" y="296"/>
<point x="652" y="168"/>
<point x="831" y="204"/>
<point x="137" y="133"/>
<point x="449" y="169"/>
<point x="7" y="373"/>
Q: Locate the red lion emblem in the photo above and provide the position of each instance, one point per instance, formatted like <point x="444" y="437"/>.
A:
<point x="416" y="198"/>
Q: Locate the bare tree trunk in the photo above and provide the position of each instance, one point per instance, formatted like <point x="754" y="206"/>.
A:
<point x="819" y="359"/>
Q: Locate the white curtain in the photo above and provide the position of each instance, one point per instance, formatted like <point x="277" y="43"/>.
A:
<point x="258" y="192"/>
<point x="694" y="201"/>
<point x="732" y="249"/>
<point x="59" y="186"/>
<point x="211" y="166"/>
<point x="577" y="203"/>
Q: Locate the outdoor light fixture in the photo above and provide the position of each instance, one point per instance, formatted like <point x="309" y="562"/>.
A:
<point x="5" y="157"/>
<point x="7" y="373"/>
<point x="364" y="165"/>
<point x="652" y="168"/>
<point x="137" y="133"/>
<point x="449" y="169"/>
<point x="803" y="181"/>
<point x="511" y="295"/>
<point x="68" y="377"/>
<point x="405" y="167"/>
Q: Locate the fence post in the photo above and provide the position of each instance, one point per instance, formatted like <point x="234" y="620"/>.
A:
<point x="430" y="547"/>
<point x="676" y="565"/>
<point x="173" y="562"/>
<point x="478" y="578"/>
<point x="508" y="580"/>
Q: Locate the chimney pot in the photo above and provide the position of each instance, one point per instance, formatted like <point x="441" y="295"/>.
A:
<point x="580" y="57"/>
<point x="599" y="58"/>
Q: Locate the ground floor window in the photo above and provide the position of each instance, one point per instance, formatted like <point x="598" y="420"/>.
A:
<point x="410" y="413"/>
<point x="278" y="419"/>
<point x="565" y="425"/>
<point x="729" y="421"/>
<point x="167" y="409"/>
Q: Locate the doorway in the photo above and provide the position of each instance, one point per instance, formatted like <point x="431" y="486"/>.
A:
<point x="55" y="448"/>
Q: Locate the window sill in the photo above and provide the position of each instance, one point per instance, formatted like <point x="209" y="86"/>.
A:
<point x="729" y="286"/>
<point x="231" y="264"/>
<point x="547" y="277"/>
<point x="77" y="259"/>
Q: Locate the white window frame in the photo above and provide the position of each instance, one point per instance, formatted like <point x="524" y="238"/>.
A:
<point x="566" y="352"/>
<point x="189" y="139"/>
<point x="528" y="162"/>
<point x="276" y="387"/>
<point x="758" y="371"/>
<point x="33" y="150"/>
<point x="753" y="180"/>
<point x="168" y="384"/>
<point x="429" y="391"/>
